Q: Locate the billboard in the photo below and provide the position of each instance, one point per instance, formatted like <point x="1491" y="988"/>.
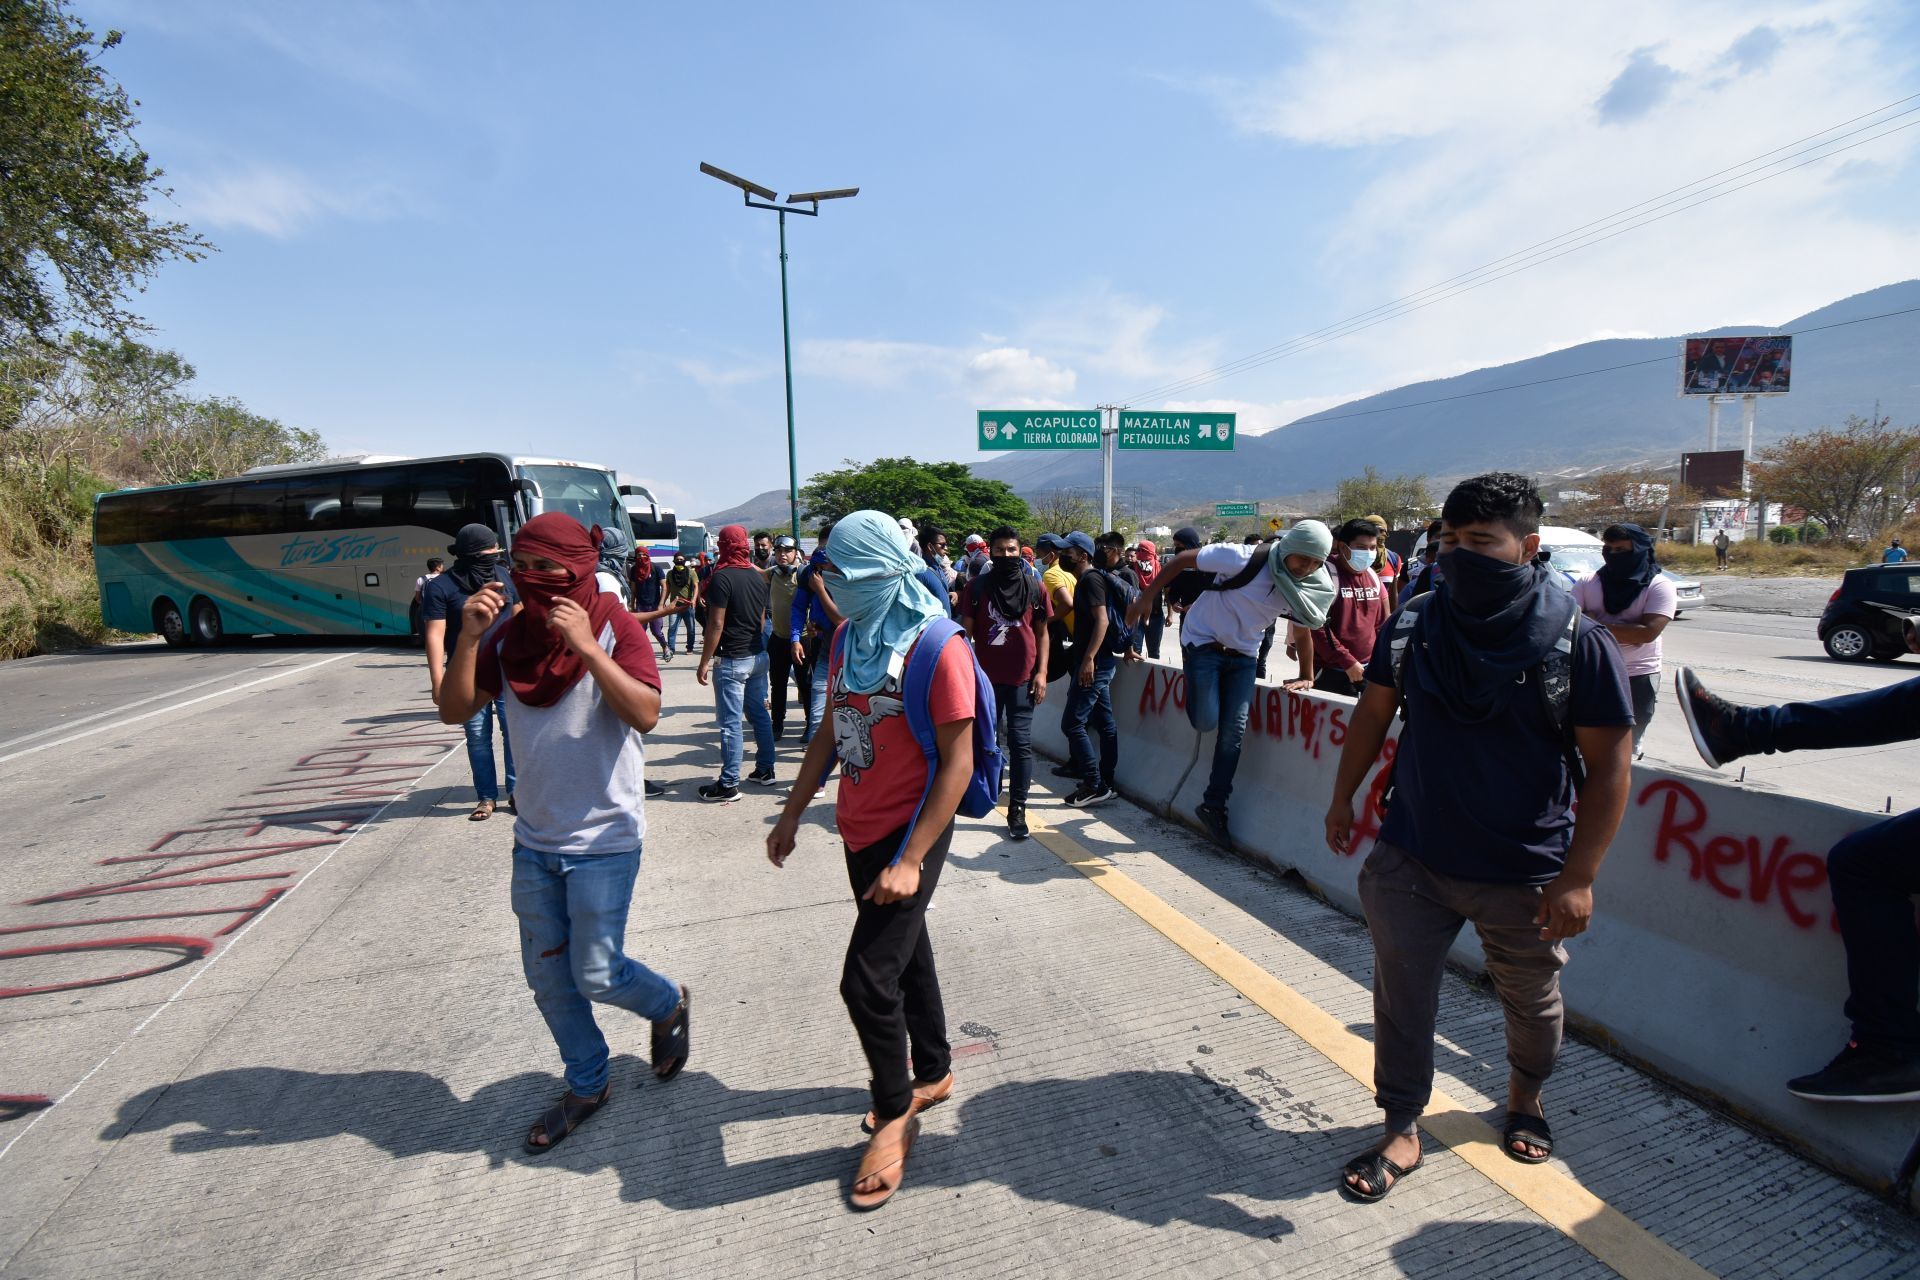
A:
<point x="1736" y="366"/>
<point x="1720" y="474"/>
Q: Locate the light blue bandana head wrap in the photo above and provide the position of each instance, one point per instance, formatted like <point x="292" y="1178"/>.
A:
<point x="886" y="606"/>
<point x="1309" y="597"/>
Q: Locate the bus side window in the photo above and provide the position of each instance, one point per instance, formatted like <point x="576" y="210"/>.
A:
<point x="179" y="514"/>
<point x="116" y="520"/>
<point x="311" y="503"/>
<point x="256" y="507"/>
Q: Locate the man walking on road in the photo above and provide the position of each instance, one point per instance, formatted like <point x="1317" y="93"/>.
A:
<point x="736" y="614"/>
<point x="580" y="687"/>
<point x="1089" y="695"/>
<point x="683" y="589"/>
<point x="810" y="623"/>
<point x="1342" y="646"/>
<point x="1005" y="615"/>
<point x="1721" y="543"/>
<point x="1872" y="874"/>
<point x="1500" y="678"/>
<point x="476" y="563"/>
<point x="895" y="814"/>
<point x="783" y="580"/>
<point x="1249" y="590"/>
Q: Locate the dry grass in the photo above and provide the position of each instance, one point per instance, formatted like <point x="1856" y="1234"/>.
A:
<point x="49" y="597"/>
<point x="1794" y="560"/>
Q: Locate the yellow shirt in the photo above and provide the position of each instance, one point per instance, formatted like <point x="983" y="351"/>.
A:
<point x="1054" y="579"/>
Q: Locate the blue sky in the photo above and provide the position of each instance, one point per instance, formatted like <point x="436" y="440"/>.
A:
<point x="473" y="225"/>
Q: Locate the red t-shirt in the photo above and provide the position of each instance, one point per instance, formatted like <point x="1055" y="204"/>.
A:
<point x="883" y="772"/>
<point x="1008" y="649"/>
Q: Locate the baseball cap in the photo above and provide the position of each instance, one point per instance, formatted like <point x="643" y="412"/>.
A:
<point x="784" y="541"/>
<point x="1049" y="542"/>
<point x="1080" y="542"/>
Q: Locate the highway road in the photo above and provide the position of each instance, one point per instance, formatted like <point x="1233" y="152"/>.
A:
<point x="261" y="1012"/>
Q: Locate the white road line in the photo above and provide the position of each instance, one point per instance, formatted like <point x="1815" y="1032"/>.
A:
<point x="178" y="706"/>
<point x="200" y="970"/>
<point x="137" y="702"/>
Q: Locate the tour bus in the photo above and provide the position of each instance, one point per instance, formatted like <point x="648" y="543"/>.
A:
<point x="319" y="549"/>
<point x="693" y="539"/>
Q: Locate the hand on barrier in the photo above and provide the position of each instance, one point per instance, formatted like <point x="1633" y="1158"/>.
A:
<point x="1340" y="828"/>
<point x="1296" y="685"/>
<point x="1566" y="906"/>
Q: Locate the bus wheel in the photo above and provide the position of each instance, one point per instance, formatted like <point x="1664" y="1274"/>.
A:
<point x="206" y="623"/>
<point x="171" y="626"/>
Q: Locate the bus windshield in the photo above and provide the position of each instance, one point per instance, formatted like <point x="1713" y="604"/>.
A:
<point x="585" y="494"/>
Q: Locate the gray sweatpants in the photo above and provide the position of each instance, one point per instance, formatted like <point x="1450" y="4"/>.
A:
<point x="1414" y="914"/>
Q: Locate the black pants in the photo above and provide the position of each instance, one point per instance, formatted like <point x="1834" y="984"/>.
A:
<point x="891" y="990"/>
<point x="1014" y="705"/>
<point x="781" y="669"/>
<point x="1266" y="647"/>
<point x="1646" y="696"/>
<point x="1333" y="680"/>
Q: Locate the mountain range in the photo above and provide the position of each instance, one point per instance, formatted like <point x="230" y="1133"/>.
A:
<point x="1572" y="408"/>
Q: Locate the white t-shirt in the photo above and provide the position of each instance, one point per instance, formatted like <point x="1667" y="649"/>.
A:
<point x="1659" y="600"/>
<point x="1236" y="619"/>
<point x="609" y="584"/>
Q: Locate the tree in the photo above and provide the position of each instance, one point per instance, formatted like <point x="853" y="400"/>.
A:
<point x="76" y="190"/>
<point x="1060" y="511"/>
<point x="946" y="493"/>
<point x="1636" y="495"/>
<point x="1854" y="480"/>
<point x="205" y="439"/>
<point x="1400" y="500"/>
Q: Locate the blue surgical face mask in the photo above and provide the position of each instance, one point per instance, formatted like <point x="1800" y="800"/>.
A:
<point x="1360" y="560"/>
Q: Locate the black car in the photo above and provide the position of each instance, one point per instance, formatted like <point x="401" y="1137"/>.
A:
<point x="1863" y="617"/>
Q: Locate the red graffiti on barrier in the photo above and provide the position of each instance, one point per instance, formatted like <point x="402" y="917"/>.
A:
<point x="1164" y="687"/>
<point x="272" y="827"/>
<point x="1373" y="809"/>
<point x="1770" y="870"/>
<point x="1284" y="714"/>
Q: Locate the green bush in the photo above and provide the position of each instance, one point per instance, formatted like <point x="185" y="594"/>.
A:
<point x="1783" y="536"/>
<point x="49" y="597"/>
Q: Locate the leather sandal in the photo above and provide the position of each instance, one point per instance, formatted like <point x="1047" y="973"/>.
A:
<point x="563" y="1118"/>
<point x="925" y="1098"/>
<point x="1533" y="1131"/>
<point x="1378" y="1172"/>
<point x="885" y="1161"/>
<point x="481" y="812"/>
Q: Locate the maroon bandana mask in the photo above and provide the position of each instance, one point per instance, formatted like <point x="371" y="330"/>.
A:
<point x="538" y="665"/>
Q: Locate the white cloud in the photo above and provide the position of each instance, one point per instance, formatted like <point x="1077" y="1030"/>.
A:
<point x="277" y="201"/>
<point x="1016" y="378"/>
<point x="1481" y="124"/>
<point x="718" y="379"/>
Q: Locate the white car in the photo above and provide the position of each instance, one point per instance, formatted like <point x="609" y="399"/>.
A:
<point x="1576" y="554"/>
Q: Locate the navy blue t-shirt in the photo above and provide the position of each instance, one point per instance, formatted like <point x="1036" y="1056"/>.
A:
<point x="443" y="599"/>
<point x="1494" y="801"/>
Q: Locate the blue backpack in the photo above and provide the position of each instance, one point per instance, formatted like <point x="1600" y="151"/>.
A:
<point x="916" y="690"/>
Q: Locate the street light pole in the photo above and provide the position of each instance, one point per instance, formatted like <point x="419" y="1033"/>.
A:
<point x="786" y="358"/>
<point x="748" y="191"/>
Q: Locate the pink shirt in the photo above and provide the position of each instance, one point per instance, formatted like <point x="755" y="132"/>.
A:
<point x="1658" y="601"/>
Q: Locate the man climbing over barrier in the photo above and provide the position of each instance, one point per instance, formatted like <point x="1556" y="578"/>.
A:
<point x="1499" y="678"/>
<point x="1872" y="874"/>
<point x="1250" y="588"/>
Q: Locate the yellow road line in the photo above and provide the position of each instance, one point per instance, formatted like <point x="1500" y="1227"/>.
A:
<point x="1609" y="1235"/>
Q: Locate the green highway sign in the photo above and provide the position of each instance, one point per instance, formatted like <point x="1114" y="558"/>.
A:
<point x="1039" y="428"/>
<point x="1236" y="508"/>
<point x="1176" y="431"/>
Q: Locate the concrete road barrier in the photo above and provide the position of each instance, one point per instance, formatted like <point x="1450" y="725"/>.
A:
<point x="1157" y="747"/>
<point x="1713" y="955"/>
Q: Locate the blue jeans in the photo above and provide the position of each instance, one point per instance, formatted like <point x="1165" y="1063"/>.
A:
<point x="573" y="920"/>
<point x="740" y="684"/>
<point x="1092" y="703"/>
<point x="480" y="748"/>
<point x="673" y="629"/>
<point x="1219" y="691"/>
<point x="816" y="683"/>
<point x="1872" y="873"/>
<point x="1013" y="703"/>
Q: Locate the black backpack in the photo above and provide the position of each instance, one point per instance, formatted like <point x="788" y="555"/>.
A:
<point x="1551" y="677"/>
<point x="1121" y="595"/>
<point x="1255" y="564"/>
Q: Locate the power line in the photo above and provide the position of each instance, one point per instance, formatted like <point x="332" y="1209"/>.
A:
<point x="1565" y="377"/>
<point x="1635" y="216"/>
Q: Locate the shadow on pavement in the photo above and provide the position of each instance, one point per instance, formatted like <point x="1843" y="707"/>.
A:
<point x="1153" y="1147"/>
